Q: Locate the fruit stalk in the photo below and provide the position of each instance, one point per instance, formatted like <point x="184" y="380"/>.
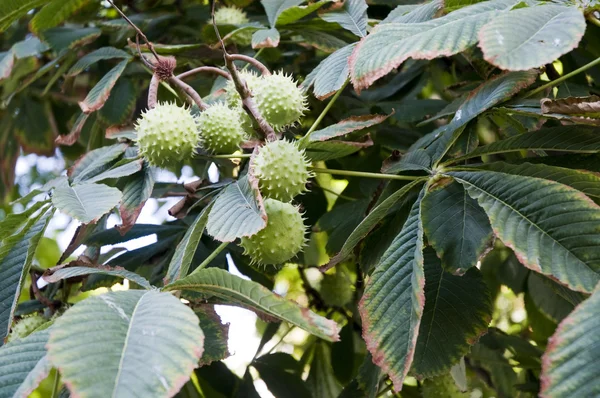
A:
<point x="205" y="69"/>
<point x="259" y="65"/>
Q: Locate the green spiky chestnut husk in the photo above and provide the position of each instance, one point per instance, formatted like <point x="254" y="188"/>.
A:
<point x="167" y="134"/>
<point x="233" y="97"/>
<point x="234" y="16"/>
<point x="281" y="239"/>
<point x="279" y="99"/>
<point x="282" y="170"/>
<point x="221" y="129"/>
<point x="26" y="326"/>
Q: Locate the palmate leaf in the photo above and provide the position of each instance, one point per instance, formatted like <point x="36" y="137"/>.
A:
<point x="321" y="379"/>
<point x="335" y="149"/>
<point x="414" y="14"/>
<point x="352" y="16"/>
<point x="295" y="13"/>
<point x="153" y="345"/>
<point x="531" y="37"/>
<point x="346" y="126"/>
<point x="236" y="213"/>
<point x="122" y="168"/>
<point x="390" y="44"/>
<point x="274" y="8"/>
<point x="265" y="38"/>
<point x="215" y="332"/>
<point x="68" y="38"/>
<point x="16" y="255"/>
<point x="23" y="365"/>
<point x="582" y="139"/>
<point x="552" y="228"/>
<point x="392" y="304"/>
<point x="249" y="294"/>
<point x="86" y="202"/>
<point x="457" y="312"/>
<point x="136" y="192"/>
<point x="455" y="226"/>
<point x="11" y="10"/>
<point x="54" y="13"/>
<point x="100" y="54"/>
<point x="570" y="363"/>
<point x="95" y="162"/>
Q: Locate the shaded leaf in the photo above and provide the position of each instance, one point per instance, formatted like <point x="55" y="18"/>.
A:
<point x="323" y="41"/>
<point x="346" y="126"/>
<point x="352" y="16"/>
<point x="569" y="365"/>
<point x="572" y="105"/>
<point x="366" y="382"/>
<point x="184" y="253"/>
<point x="70" y="272"/>
<point x="73" y="136"/>
<point x="414" y="14"/>
<point x="369" y="222"/>
<point x="552" y="228"/>
<point x="392" y="304"/>
<point x="390" y="44"/>
<point x="457" y="312"/>
<point x="295" y="13"/>
<point x="531" y="37"/>
<point x="236" y="213"/>
<point x="335" y="149"/>
<point x="249" y="294"/>
<point x="16" y="255"/>
<point x="68" y="38"/>
<point x="54" y="13"/>
<point x="455" y="226"/>
<point x="23" y="365"/>
<point x="95" y="162"/>
<point x="99" y="94"/>
<point x="442" y="386"/>
<point x="153" y="345"/>
<point x="274" y="8"/>
<point x="120" y="103"/>
<point x="321" y="379"/>
<point x="12" y="10"/>
<point x="215" y="334"/>
<point x="136" y="192"/>
<point x="582" y="139"/>
<point x="86" y="202"/>
<point x="417" y="160"/>
<point x="546" y="300"/>
<point x="30" y="47"/>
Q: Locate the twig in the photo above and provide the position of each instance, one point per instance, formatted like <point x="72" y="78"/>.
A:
<point x="186" y="88"/>
<point x="38" y="295"/>
<point x="205" y="69"/>
<point x="259" y="65"/>
<point x="248" y="103"/>
<point x="138" y="31"/>
<point x="153" y="91"/>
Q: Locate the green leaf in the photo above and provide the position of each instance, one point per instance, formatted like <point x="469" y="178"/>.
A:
<point x="457" y="312"/>
<point x="184" y="253"/>
<point x="552" y="228"/>
<point x="547" y="300"/>
<point x="120" y="103"/>
<point x="68" y="38"/>
<point x="295" y="13"/>
<point x="416" y="160"/>
<point x="216" y="334"/>
<point x="331" y="74"/>
<point x="30" y="47"/>
<point x="335" y="149"/>
<point x="392" y="304"/>
<point x="570" y="363"/>
<point x="249" y="294"/>
<point x="95" y="162"/>
<point x="582" y="139"/>
<point x="321" y="379"/>
<point x="54" y="13"/>
<point x="11" y="10"/>
<point x="586" y="182"/>
<point x="366" y="382"/>
<point x="236" y="213"/>
<point x="442" y="386"/>
<point x="265" y="38"/>
<point x="23" y="365"/>
<point x="100" y="54"/>
<point x="16" y="255"/>
<point x="136" y="192"/>
<point x="351" y="16"/>
<point x="11" y="223"/>
<point x="122" y="168"/>
<point x="370" y="221"/>
<point x="32" y="128"/>
<point x="455" y="226"/>
<point x="70" y="272"/>
<point x="346" y="126"/>
<point x="412" y="14"/>
<point x="99" y="94"/>
<point x="322" y="41"/>
<point x="484" y="97"/>
<point x="274" y="8"/>
<point x="153" y="345"/>
<point x="390" y="44"/>
<point x="545" y="32"/>
<point x="86" y="202"/>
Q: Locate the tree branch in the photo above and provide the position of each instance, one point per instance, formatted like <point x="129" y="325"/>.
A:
<point x="205" y="69"/>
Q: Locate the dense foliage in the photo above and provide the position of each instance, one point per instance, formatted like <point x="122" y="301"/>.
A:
<point x="419" y="182"/>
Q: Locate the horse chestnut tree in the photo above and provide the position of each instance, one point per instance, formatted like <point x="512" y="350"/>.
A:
<point x="405" y="193"/>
